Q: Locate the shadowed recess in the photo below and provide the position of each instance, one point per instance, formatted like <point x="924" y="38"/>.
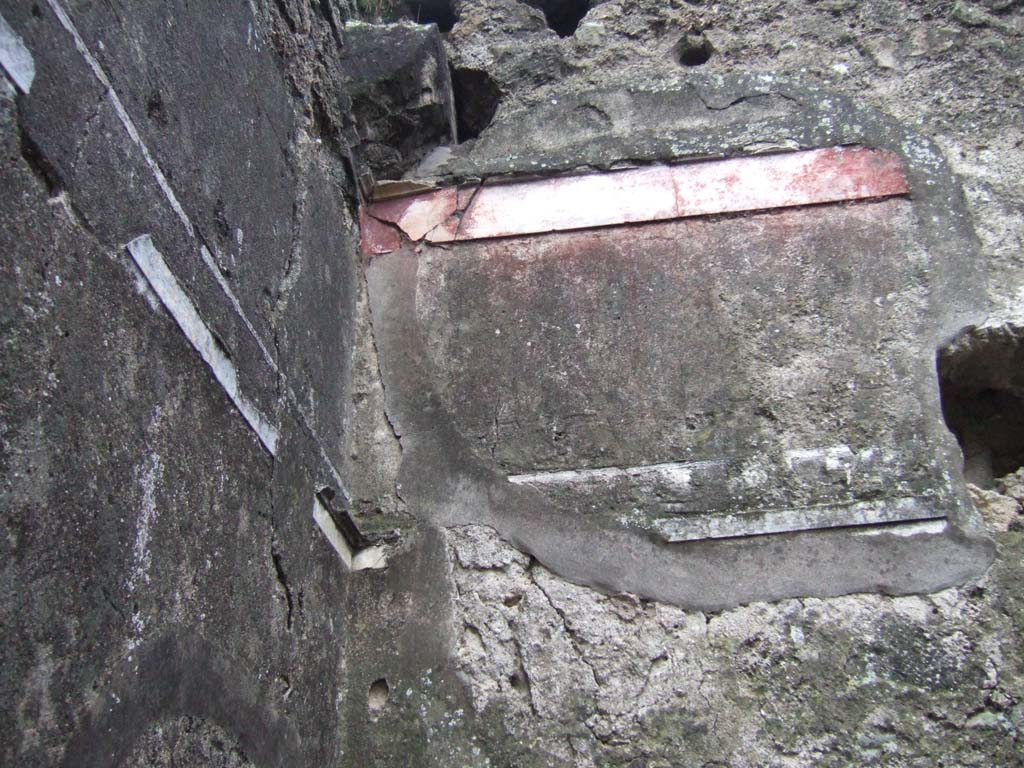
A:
<point x="438" y="12"/>
<point x="563" y="16"/>
<point x="693" y="49"/>
<point x="981" y="379"/>
<point x="476" y="100"/>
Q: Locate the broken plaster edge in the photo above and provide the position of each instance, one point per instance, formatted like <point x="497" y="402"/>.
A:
<point x="369" y="558"/>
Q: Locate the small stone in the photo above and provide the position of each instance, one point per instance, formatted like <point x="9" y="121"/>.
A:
<point x="985" y="720"/>
<point x="998" y="511"/>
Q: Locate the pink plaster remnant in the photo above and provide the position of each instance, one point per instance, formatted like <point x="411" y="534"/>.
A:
<point x="646" y="194"/>
<point x="416" y="215"/>
<point x="375" y="236"/>
<point x="570" y="202"/>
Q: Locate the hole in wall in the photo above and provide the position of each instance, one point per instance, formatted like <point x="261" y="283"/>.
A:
<point x="693" y="49"/>
<point x="563" y="16"/>
<point x="438" y="12"/>
<point x="981" y="383"/>
<point x="476" y="100"/>
<point x="378" y="695"/>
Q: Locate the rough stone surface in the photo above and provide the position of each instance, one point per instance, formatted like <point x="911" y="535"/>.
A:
<point x="401" y="95"/>
<point x="579" y="678"/>
<point x="165" y="598"/>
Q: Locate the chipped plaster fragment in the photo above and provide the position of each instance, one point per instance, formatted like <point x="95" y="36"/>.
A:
<point x="15" y="58"/>
<point x="419" y="214"/>
<point x="376" y="236"/>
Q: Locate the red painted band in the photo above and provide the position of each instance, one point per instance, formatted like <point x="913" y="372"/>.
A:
<point x="654" y="193"/>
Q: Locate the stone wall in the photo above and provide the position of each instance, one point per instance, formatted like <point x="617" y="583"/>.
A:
<point x="168" y="599"/>
<point x="166" y="595"/>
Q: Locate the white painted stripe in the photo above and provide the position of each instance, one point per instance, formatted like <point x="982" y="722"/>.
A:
<point x="121" y="112"/>
<point x="207" y="257"/>
<point x="326" y="525"/>
<point x="163" y="282"/>
<point x="759" y="522"/>
<point x="905" y="529"/>
<point x="354" y="560"/>
<point x="673" y="471"/>
<point x="15" y="57"/>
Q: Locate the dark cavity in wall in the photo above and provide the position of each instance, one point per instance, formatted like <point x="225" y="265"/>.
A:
<point x="476" y="100"/>
<point x="438" y="12"/>
<point x="378" y="694"/>
<point x="981" y="380"/>
<point x="563" y="16"/>
<point x="693" y="49"/>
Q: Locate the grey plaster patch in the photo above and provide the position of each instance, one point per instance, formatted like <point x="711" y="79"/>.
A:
<point x="448" y="483"/>
<point x="206" y="256"/>
<point x="16" y="58"/>
<point x="122" y="113"/>
<point x="590" y="394"/>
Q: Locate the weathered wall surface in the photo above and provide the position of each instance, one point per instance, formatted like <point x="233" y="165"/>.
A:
<point x="166" y="598"/>
<point x="580" y="678"/>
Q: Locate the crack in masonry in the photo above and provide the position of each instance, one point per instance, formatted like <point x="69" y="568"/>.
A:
<point x="275" y="556"/>
<point x="294" y="263"/>
<point x="87" y="129"/>
<point x="572" y="747"/>
<point x="707" y="700"/>
<point x="743" y="99"/>
<point x="403" y="236"/>
<point x="282" y="579"/>
<point x="466" y="209"/>
<point x="569" y="632"/>
<point x="380" y="376"/>
<point x="287" y="282"/>
<point x="495" y="429"/>
<point x="38" y="164"/>
<point x="328" y="13"/>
